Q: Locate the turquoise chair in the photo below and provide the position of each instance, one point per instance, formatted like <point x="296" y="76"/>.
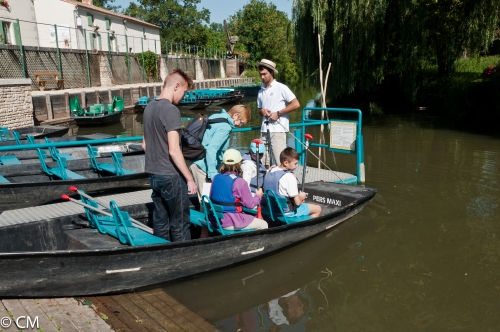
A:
<point x="215" y="213"/>
<point x="274" y="209"/>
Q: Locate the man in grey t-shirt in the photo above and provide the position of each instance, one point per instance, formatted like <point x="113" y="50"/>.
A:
<point x="169" y="176"/>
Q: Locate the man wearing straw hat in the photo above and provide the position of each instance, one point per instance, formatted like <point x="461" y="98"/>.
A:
<point x="275" y="100"/>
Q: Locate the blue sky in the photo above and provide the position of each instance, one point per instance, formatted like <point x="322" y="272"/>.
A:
<point x="222" y="9"/>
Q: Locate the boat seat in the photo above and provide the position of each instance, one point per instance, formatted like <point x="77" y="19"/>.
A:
<point x="197" y="218"/>
<point x="3" y="180"/>
<point x="4" y="134"/>
<point x="143" y="101"/>
<point x="215" y="213"/>
<point x="115" y="168"/>
<point x="17" y="137"/>
<point x="54" y="152"/>
<point x="74" y="106"/>
<point x="274" y="209"/>
<point x="119" y="226"/>
<point x="60" y="171"/>
<point x="9" y="160"/>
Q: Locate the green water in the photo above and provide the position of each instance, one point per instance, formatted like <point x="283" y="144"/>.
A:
<point x="424" y="255"/>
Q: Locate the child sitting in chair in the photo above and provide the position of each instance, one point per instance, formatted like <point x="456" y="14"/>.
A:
<point x="249" y="166"/>
<point x="282" y="181"/>
<point x="231" y="192"/>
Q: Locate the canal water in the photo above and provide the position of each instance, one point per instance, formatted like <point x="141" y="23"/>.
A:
<point x="424" y="255"/>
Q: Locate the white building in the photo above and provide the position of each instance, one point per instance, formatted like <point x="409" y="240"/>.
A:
<point x="10" y="11"/>
<point x="79" y="25"/>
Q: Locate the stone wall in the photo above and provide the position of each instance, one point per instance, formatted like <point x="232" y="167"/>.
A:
<point x="16" y="109"/>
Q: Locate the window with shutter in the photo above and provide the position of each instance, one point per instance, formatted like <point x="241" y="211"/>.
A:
<point x="90" y="19"/>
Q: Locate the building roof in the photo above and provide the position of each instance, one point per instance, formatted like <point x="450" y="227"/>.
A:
<point x="110" y="13"/>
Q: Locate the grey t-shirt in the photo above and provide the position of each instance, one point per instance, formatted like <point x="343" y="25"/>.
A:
<point x="160" y="117"/>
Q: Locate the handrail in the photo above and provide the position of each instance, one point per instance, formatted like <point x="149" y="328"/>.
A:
<point x="75" y="143"/>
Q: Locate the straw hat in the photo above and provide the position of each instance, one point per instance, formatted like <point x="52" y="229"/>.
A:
<point x="231" y="157"/>
<point x="268" y="64"/>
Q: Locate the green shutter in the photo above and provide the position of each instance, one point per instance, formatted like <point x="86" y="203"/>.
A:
<point x="2" y="39"/>
<point x="90" y="19"/>
<point x="17" y="33"/>
<point x="91" y="38"/>
<point x="108" y="23"/>
<point x="100" y="42"/>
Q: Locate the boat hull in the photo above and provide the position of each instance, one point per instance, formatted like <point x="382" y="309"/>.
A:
<point x="77" y="272"/>
<point x="30" y="186"/>
<point x="98" y="120"/>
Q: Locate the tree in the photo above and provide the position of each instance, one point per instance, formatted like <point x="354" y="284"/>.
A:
<point x="106" y="4"/>
<point x="264" y="32"/>
<point x="180" y="21"/>
<point x="367" y="40"/>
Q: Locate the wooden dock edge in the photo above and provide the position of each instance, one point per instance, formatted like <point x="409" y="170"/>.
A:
<point x="50" y="315"/>
<point x="152" y="310"/>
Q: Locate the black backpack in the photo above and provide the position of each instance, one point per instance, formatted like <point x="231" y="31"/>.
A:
<point x="192" y="136"/>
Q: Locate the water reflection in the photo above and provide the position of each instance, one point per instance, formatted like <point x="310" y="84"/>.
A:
<point x="423" y="255"/>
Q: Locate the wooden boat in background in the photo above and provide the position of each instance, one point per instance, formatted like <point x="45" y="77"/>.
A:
<point x="7" y="134"/>
<point x="97" y="136"/>
<point x="30" y="184"/>
<point x="64" y="257"/>
<point x="97" y="114"/>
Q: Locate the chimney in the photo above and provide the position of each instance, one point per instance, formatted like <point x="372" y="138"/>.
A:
<point x="87" y="2"/>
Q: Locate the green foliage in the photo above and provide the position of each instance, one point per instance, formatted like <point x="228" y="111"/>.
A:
<point x="265" y="32"/>
<point x="106" y="4"/>
<point x="368" y="40"/>
<point x="150" y="64"/>
<point x="180" y="20"/>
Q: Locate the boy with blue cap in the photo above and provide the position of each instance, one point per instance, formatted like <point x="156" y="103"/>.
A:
<point x="249" y="165"/>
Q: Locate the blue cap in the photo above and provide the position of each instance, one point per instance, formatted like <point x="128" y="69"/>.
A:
<point x="262" y="147"/>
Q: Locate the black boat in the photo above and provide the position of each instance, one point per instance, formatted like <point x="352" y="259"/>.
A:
<point x="97" y="114"/>
<point x="30" y="185"/>
<point x="64" y="257"/>
<point x="69" y="153"/>
<point x="35" y="131"/>
<point x="97" y="136"/>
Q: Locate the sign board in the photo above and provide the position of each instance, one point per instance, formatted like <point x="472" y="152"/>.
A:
<point x="343" y="135"/>
<point x="62" y="33"/>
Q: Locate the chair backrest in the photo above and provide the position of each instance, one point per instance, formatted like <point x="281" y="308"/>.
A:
<point x="52" y="150"/>
<point x="17" y="137"/>
<point x="74" y="106"/>
<point x="117" y="162"/>
<point x="61" y="165"/>
<point x="92" y="215"/>
<point x="30" y="139"/>
<point x="213" y="212"/>
<point x="119" y="103"/>
<point x="4" y="134"/>
<point x="93" y="153"/>
<point x="276" y="205"/>
<point x="122" y="222"/>
<point x="42" y="156"/>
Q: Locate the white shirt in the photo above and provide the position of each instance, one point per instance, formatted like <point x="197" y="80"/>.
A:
<point x="249" y="170"/>
<point x="275" y="98"/>
<point x="287" y="185"/>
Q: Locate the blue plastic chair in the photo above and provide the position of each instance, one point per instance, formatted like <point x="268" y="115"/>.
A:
<point x="216" y="213"/>
<point x="274" y="209"/>
<point x="115" y="168"/>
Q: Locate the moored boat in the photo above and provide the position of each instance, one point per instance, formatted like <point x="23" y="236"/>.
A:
<point x="97" y="114"/>
<point x="63" y="256"/>
<point x="97" y="136"/>
<point x="34" y="131"/>
<point x="31" y="184"/>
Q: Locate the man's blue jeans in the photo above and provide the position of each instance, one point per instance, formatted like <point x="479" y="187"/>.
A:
<point x="171" y="207"/>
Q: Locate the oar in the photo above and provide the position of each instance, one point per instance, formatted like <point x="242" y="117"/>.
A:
<point x="308" y="137"/>
<point x="257" y="142"/>
<point x="136" y="223"/>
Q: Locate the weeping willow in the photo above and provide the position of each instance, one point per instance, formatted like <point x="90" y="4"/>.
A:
<point x="366" y="40"/>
